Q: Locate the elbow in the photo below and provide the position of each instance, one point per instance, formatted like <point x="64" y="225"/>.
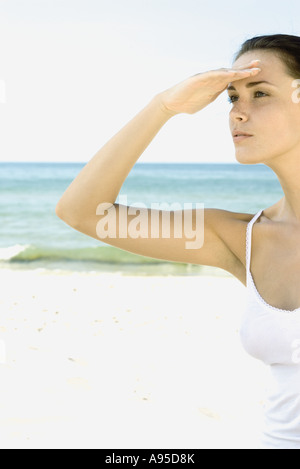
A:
<point x="64" y="214"/>
<point x="59" y="211"/>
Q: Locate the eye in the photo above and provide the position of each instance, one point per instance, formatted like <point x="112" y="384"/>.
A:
<point x="261" y="92"/>
<point x="231" y="99"/>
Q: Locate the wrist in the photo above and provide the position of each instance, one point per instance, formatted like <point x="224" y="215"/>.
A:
<point x="158" y="101"/>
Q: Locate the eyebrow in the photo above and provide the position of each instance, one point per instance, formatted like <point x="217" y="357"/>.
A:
<point x="250" y="85"/>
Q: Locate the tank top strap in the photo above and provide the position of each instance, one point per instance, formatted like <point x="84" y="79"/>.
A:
<point x="249" y="239"/>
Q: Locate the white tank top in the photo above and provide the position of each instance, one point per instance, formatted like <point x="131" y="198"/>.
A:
<point x="272" y="335"/>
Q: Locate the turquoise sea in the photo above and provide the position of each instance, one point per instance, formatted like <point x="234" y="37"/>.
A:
<point x="32" y="236"/>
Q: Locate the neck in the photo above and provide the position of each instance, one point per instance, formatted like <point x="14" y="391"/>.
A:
<point x="288" y="173"/>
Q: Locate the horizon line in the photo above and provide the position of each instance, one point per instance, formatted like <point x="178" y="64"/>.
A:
<point x="138" y="162"/>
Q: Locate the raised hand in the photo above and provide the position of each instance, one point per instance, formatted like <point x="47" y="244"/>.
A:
<point x="195" y="93"/>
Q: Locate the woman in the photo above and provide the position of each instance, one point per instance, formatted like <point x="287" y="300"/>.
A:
<point x="264" y="122"/>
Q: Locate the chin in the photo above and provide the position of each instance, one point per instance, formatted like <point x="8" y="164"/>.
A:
<point x="246" y="158"/>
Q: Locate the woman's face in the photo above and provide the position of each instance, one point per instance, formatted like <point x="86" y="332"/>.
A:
<point x="269" y="112"/>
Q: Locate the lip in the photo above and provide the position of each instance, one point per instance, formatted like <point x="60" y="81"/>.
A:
<point x="237" y="132"/>
<point x="240" y="135"/>
<point x="241" y="138"/>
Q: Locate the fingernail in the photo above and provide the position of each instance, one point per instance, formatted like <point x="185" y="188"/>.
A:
<point x="250" y="70"/>
<point x="254" y="69"/>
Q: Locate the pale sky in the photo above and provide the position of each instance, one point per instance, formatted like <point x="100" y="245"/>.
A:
<point x="74" y="72"/>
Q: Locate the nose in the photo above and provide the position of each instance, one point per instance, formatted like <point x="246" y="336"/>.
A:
<point x="237" y="114"/>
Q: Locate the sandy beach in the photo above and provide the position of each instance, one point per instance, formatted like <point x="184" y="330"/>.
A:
<point x="111" y="361"/>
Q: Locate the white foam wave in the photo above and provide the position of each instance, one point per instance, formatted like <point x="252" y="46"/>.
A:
<point x="12" y="251"/>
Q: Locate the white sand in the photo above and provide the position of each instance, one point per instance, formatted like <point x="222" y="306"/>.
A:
<point x="105" y="361"/>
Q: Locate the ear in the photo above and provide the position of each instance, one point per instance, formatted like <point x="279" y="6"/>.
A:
<point x="296" y="93"/>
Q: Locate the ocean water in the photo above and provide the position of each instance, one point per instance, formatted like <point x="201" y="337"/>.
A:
<point x="32" y="236"/>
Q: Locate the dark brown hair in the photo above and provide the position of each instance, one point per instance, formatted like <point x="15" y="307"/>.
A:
<point x="284" y="46"/>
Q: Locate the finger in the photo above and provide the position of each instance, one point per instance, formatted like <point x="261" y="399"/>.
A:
<point x="249" y="70"/>
<point x="253" y="63"/>
<point x="240" y="74"/>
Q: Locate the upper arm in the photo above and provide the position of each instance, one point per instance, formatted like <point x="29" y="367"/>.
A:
<point x="217" y="240"/>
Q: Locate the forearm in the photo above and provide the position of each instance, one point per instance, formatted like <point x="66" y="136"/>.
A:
<point x="100" y="181"/>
